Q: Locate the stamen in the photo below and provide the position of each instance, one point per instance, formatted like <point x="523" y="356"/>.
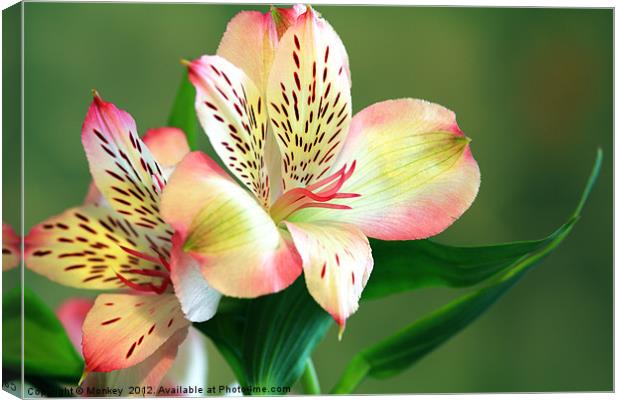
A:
<point x="164" y="262"/>
<point x="147" y="287"/>
<point x="325" y="205"/>
<point x="149" y="272"/>
<point x="138" y="254"/>
<point x="315" y="195"/>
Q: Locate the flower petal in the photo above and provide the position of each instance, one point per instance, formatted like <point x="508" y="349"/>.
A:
<point x="71" y="314"/>
<point x="167" y="145"/>
<point x="415" y="171"/>
<point x="10" y="247"/>
<point x="82" y="247"/>
<point x="232" y="113"/>
<point x="199" y="301"/>
<point x="249" y="43"/>
<point x="251" y="38"/>
<point x="337" y="262"/>
<point x="122" y="330"/>
<point x="283" y="18"/>
<point x="123" y="168"/>
<point x="94" y="196"/>
<point x="309" y="98"/>
<point x="191" y="366"/>
<point x="146" y="374"/>
<point x="241" y="251"/>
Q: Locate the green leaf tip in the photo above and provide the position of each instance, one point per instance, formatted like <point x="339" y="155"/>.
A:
<point x="596" y="169"/>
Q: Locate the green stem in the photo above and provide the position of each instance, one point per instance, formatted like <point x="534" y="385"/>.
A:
<point x="309" y="380"/>
<point x="355" y="373"/>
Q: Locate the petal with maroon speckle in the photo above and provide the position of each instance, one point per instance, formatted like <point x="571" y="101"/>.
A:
<point x="122" y="330"/>
<point x="309" y="99"/>
<point x="122" y="166"/>
<point x="415" y="171"/>
<point x="337" y="262"/>
<point x="10" y="247"/>
<point x="82" y="247"/>
<point x="233" y="115"/>
<point x="146" y="374"/>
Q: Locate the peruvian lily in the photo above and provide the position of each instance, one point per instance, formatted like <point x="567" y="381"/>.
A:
<point x="117" y="240"/>
<point x="10" y="247"/>
<point x="189" y="367"/>
<point x="318" y="181"/>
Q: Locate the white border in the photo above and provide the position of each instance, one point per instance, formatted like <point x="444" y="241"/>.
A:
<point x="467" y="3"/>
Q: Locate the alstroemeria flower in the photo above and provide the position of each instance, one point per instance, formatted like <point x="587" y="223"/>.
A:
<point x="398" y="170"/>
<point x="188" y="369"/>
<point x="117" y="240"/>
<point x="10" y="247"/>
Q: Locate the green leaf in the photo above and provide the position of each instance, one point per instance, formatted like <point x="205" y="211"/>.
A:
<point x="403" y="266"/>
<point x="183" y="115"/>
<point x="268" y="341"/>
<point x="397" y="352"/>
<point x="281" y="333"/>
<point x="48" y="352"/>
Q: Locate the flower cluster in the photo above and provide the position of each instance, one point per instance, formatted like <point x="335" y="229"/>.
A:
<point x="300" y="186"/>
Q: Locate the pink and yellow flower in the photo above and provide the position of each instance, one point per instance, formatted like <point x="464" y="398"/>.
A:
<point x="315" y="181"/>
<point x="118" y="240"/>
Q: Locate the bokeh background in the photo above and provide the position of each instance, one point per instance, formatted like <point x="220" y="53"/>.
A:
<point x="531" y="87"/>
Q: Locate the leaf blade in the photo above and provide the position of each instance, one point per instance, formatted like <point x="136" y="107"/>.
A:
<point x="268" y="340"/>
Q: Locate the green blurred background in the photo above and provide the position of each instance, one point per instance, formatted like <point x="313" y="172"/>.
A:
<point x="532" y="87"/>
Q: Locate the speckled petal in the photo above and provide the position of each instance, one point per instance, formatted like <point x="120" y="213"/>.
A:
<point x="337" y="262"/>
<point x="83" y="248"/>
<point x="122" y="166"/>
<point x="10" y="247"/>
<point x="415" y="171"/>
<point x="122" y="330"/>
<point x="309" y="99"/>
<point x="232" y="113"/>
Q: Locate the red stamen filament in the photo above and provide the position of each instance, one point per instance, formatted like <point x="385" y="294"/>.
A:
<point x="143" y="256"/>
<point x="316" y="195"/>
<point x="164" y="262"/>
<point x="147" y="287"/>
